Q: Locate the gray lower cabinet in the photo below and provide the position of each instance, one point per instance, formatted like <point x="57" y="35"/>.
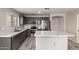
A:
<point x="5" y="43"/>
<point x="14" y="42"/>
<point x="18" y="39"/>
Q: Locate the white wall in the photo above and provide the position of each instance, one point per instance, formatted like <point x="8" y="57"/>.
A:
<point x="4" y="13"/>
<point x="70" y="24"/>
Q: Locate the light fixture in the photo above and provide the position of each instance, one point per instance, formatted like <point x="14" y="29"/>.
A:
<point x="46" y="8"/>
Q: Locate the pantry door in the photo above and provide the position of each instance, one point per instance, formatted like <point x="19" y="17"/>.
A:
<point x="57" y="23"/>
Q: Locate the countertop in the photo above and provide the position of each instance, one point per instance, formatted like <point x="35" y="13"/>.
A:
<point x="52" y="33"/>
<point x="10" y="33"/>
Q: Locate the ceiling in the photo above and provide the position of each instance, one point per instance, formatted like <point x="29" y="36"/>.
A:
<point x="44" y="10"/>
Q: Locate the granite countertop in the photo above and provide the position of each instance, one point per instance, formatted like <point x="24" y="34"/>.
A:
<point x="52" y="33"/>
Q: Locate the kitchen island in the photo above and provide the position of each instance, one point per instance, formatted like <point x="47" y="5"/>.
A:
<point x="51" y="40"/>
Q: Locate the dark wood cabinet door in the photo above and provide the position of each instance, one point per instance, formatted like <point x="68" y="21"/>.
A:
<point x="18" y="39"/>
<point x="15" y="42"/>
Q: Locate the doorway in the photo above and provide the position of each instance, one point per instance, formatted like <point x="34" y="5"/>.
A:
<point x="57" y="23"/>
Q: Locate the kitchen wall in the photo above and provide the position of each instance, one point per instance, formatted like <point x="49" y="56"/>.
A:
<point x="5" y="16"/>
<point x="70" y="23"/>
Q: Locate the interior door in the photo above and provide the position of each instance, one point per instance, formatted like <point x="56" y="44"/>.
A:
<point x="57" y="23"/>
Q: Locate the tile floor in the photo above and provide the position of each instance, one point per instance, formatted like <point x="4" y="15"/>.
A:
<point x="72" y="45"/>
<point x="28" y="44"/>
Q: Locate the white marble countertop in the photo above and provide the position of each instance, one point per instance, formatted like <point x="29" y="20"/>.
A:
<point x="10" y="33"/>
<point x="52" y="33"/>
